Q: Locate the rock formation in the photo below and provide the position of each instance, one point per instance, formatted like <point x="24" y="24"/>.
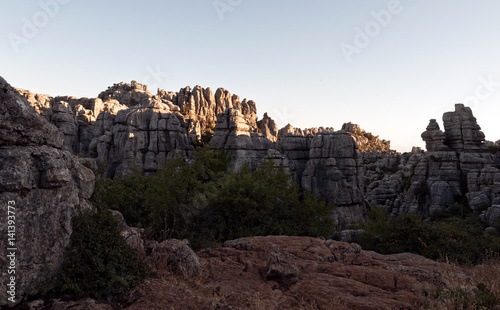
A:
<point x="46" y="185"/>
<point x="457" y="168"/>
<point x="365" y="140"/>
<point x="127" y="126"/>
<point x="333" y="171"/>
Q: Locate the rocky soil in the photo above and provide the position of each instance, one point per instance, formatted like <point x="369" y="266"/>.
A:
<point x="291" y="273"/>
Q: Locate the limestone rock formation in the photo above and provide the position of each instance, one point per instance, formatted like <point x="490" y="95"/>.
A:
<point x="268" y="128"/>
<point x="234" y="133"/>
<point x="434" y="137"/>
<point x="144" y="137"/>
<point x="46" y="185"/>
<point x="289" y="129"/>
<point x="334" y="173"/>
<point x="457" y="168"/>
<point x="365" y="140"/>
<point x="462" y="131"/>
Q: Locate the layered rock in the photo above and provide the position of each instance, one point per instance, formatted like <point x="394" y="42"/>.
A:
<point x="201" y="106"/>
<point x="457" y="168"/>
<point x="234" y="133"/>
<point x="289" y="129"/>
<point x="334" y="173"/>
<point x="267" y="126"/>
<point x="434" y="137"/>
<point x="46" y="186"/>
<point x="366" y="141"/>
<point x="143" y="137"/>
<point x="463" y="134"/>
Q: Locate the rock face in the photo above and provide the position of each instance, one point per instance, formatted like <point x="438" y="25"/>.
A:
<point x="249" y="273"/>
<point x="333" y="172"/>
<point x="45" y="184"/>
<point x="144" y="137"/>
<point x="365" y="140"/>
<point x="457" y="168"/>
<point x="463" y="134"/>
<point x="234" y="133"/>
<point x="127" y="126"/>
<point x="434" y="137"/>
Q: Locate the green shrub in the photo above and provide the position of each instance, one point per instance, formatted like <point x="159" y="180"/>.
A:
<point x="264" y="202"/>
<point x="98" y="263"/>
<point x="456" y="238"/>
<point x="206" y="203"/>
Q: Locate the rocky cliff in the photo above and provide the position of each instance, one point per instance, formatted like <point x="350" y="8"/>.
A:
<point x="43" y="184"/>
<point x="127" y="126"/>
<point x="457" y="168"/>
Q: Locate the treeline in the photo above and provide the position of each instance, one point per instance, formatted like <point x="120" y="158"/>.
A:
<point x="206" y="202"/>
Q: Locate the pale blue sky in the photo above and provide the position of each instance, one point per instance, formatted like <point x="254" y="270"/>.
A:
<point x="284" y="54"/>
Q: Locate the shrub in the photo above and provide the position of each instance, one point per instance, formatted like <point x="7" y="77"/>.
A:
<point x="203" y="202"/>
<point x="98" y="263"/>
<point x="264" y="202"/>
<point x="454" y="238"/>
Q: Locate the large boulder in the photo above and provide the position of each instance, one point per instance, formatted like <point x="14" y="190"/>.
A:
<point x="44" y="186"/>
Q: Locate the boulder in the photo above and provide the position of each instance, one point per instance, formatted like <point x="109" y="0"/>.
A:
<point x="44" y="185"/>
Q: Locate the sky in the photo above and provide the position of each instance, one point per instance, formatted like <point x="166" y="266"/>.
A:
<point x="387" y="65"/>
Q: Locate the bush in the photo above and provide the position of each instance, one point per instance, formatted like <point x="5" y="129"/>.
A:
<point x="456" y="238"/>
<point x="265" y="202"/>
<point x="204" y="202"/>
<point x="98" y="263"/>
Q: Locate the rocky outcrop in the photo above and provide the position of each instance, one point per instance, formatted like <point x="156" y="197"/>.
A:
<point x="326" y="275"/>
<point x="268" y="128"/>
<point x="234" y="133"/>
<point x="463" y="134"/>
<point x="457" y="168"/>
<point x="334" y="173"/>
<point x="143" y="137"/>
<point x="128" y="127"/>
<point x="366" y="141"/>
<point x="289" y="129"/>
<point x="434" y="137"/>
<point x="45" y="186"/>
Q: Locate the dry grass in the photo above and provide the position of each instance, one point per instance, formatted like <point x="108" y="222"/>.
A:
<point x="465" y="288"/>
